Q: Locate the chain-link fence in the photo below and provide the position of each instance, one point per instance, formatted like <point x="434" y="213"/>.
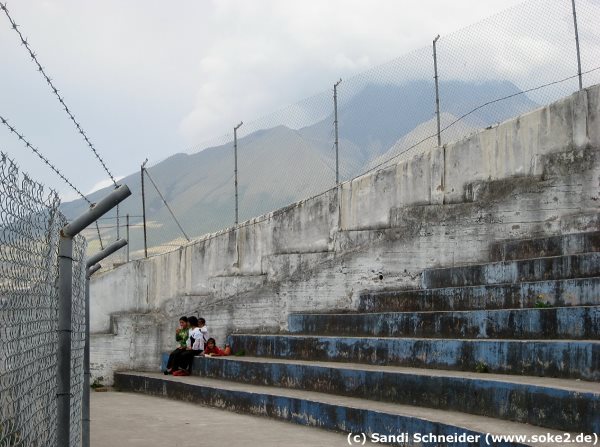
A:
<point x="78" y="334"/>
<point x="30" y="222"/>
<point x="509" y="64"/>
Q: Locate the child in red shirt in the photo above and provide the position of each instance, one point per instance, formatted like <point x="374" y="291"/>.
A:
<point x="211" y="349"/>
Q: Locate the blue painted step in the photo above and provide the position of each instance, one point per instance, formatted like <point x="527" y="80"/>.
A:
<point x="540" y="269"/>
<point x="563" y="292"/>
<point x="343" y="414"/>
<point x="548" y="246"/>
<point x="553" y="323"/>
<point x="549" y="358"/>
<point x="553" y="403"/>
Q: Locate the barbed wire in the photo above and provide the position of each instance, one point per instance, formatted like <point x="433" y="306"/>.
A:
<point x="55" y="91"/>
<point x="44" y="159"/>
<point x="400" y="128"/>
<point x="50" y="165"/>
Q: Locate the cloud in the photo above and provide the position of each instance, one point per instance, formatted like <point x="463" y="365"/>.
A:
<point x="149" y="78"/>
<point x="257" y="57"/>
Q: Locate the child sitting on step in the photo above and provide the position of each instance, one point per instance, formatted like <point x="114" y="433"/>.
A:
<point x="211" y="349"/>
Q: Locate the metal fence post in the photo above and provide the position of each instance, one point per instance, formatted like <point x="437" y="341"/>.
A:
<point x="63" y="392"/>
<point x="335" y="124"/>
<point x="65" y="305"/>
<point x="144" y="208"/>
<point x="128" y="237"/>
<point x="437" y="90"/>
<point x="85" y="403"/>
<point x="236" y="169"/>
<point x="577" y="45"/>
<point x="92" y="267"/>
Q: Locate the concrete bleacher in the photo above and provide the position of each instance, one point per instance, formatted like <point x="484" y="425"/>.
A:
<point x="455" y="293"/>
<point x="506" y="347"/>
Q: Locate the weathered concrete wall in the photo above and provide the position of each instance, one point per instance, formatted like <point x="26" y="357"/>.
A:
<point x="533" y="175"/>
<point x="133" y="339"/>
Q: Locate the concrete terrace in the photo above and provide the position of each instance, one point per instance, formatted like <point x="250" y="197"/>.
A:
<point x="455" y="292"/>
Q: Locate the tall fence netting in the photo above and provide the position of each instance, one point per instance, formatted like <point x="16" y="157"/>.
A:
<point x="30" y="222"/>
<point x="509" y="64"/>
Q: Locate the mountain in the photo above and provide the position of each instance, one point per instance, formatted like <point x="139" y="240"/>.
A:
<point x="424" y="136"/>
<point x="199" y="187"/>
<point x="279" y="166"/>
<point x="379" y="114"/>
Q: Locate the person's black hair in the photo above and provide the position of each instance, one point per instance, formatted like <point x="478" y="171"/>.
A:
<point x="201" y="320"/>
<point x="184" y="319"/>
<point x="211" y="340"/>
<point x="193" y="321"/>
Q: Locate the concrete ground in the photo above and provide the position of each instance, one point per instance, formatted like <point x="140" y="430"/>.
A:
<point x="119" y="419"/>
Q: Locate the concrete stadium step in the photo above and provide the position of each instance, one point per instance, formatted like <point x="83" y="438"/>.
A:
<point x="565" y="244"/>
<point x="583" y="265"/>
<point x="554" y="403"/>
<point x="574" y="323"/>
<point x="338" y="413"/>
<point x="559" y="293"/>
<point x="577" y="359"/>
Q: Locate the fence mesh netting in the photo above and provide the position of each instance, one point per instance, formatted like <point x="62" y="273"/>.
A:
<point x="504" y="66"/>
<point x="29" y="232"/>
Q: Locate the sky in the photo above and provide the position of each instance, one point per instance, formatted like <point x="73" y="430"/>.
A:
<point x="147" y="79"/>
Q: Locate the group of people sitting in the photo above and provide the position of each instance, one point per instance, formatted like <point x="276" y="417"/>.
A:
<point x="193" y="340"/>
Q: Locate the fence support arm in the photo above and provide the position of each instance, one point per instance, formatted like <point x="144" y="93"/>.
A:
<point x="65" y="303"/>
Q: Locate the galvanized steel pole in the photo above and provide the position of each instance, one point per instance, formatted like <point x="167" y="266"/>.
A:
<point x="335" y="124"/>
<point x="65" y="303"/>
<point x="85" y="404"/>
<point x="98" y="210"/>
<point x="236" y="169"/>
<point x="437" y="91"/>
<point x="63" y="377"/>
<point x="577" y="45"/>
<point x="116" y="245"/>
<point x="128" y="237"/>
<point x="92" y="267"/>
<point x="144" y="208"/>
